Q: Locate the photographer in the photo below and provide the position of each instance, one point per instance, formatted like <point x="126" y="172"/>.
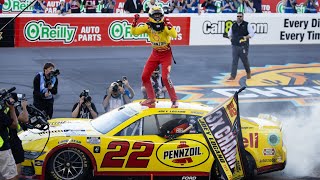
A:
<point x="108" y="6"/>
<point x="311" y="6"/>
<point x="45" y="85"/>
<point x="8" y="119"/>
<point x="15" y="142"/>
<point x="157" y="84"/>
<point x="116" y="96"/>
<point x="85" y="108"/>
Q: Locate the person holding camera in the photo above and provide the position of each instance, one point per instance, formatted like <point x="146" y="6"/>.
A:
<point x="90" y="5"/>
<point x="45" y="85"/>
<point x="239" y="34"/>
<point x="39" y="6"/>
<point x="14" y="140"/>
<point x="160" y="31"/>
<point x="311" y="6"/>
<point x="85" y="108"/>
<point x="157" y="84"/>
<point x="115" y="97"/>
<point x="8" y="119"/>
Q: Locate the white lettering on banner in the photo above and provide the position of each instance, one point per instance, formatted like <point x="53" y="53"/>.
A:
<point x="90" y="33"/>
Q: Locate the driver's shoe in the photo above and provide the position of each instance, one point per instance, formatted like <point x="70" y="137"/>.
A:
<point x="175" y="104"/>
<point x="151" y="103"/>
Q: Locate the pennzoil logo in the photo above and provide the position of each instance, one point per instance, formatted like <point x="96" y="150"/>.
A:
<point x="182" y="153"/>
<point x="298" y="84"/>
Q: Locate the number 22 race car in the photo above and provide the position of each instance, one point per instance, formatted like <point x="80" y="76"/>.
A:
<point x="133" y="141"/>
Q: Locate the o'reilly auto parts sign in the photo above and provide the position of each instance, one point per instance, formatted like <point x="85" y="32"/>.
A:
<point x="41" y="31"/>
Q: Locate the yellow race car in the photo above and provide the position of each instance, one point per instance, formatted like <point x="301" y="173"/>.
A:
<point x="132" y="141"/>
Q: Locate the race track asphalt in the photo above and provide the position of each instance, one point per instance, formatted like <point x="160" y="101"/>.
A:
<point x="97" y="67"/>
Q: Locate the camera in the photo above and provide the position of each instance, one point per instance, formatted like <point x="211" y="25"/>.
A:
<point x="87" y="97"/>
<point x="5" y="97"/>
<point x="115" y="86"/>
<point x="52" y="74"/>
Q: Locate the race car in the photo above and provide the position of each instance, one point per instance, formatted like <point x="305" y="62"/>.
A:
<point x="144" y="143"/>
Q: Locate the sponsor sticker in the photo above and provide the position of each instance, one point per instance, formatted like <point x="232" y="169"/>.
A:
<point x="67" y="141"/>
<point x="93" y="140"/>
<point x="269" y="151"/>
<point x="273" y="139"/>
<point x="183" y="153"/>
<point x="96" y="149"/>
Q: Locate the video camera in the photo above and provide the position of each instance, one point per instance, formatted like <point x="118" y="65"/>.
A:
<point x="52" y="74"/>
<point x="87" y="97"/>
<point x="5" y="96"/>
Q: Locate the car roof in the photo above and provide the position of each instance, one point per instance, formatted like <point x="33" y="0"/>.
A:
<point x="166" y="103"/>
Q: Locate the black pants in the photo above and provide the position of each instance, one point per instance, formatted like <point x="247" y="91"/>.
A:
<point x="17" y="151"/>
<point x="45" y="105"/>
<point x="242" y="53"/>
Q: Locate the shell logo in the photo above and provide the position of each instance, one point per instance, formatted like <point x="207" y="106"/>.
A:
<point x="183" y="153"/>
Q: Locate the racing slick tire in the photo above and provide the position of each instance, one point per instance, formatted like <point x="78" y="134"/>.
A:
<point x="69" y="164"/>
<point x="216" y="171"/>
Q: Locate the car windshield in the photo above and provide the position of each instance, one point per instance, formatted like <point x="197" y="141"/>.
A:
<point x="112" y="119"/>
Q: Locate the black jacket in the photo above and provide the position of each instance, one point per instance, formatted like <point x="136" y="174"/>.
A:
<point x="238" y="31"/>
<point x="37" y="95"/>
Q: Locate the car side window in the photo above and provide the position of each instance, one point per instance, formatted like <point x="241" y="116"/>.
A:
<point x="134" y="129"/>
<point x="154" y="122"/>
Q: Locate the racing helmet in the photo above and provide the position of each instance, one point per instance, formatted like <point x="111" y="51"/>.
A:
<point x="156" y="14"/>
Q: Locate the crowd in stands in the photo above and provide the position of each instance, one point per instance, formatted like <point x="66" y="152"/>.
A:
<point x="172" y="6"/>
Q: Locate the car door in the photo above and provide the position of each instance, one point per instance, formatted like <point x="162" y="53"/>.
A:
<point x="155" y="153"/>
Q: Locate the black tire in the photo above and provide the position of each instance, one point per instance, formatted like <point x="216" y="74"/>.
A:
<point x="216" y="170"/>
<point x="69" y="164"/>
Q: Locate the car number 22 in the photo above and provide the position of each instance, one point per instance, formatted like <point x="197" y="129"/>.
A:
<point x="116" y="159"/>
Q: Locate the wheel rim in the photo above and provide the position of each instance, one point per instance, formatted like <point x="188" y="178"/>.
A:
<point x="68" y="164"/>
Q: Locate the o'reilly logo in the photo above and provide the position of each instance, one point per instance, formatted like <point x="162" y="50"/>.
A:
<point x="43" y="32"/>
<point x="120" y="31"/>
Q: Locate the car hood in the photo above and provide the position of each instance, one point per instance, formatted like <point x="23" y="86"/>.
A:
<point x="61" y="128"/>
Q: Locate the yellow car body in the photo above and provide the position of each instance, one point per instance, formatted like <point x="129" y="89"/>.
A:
<point x="126" y="142"/>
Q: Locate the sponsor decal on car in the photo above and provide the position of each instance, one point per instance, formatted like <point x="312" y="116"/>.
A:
<point x="273" y="139"/>
<point x="298" y="84"/>
<point x="93" y="140"/>
<point x="67" y="141"/>
<point x="185" y="154"/>
<point x="96" y="149"/>
<point x="38" y="162"/>
<point x="252" y="141"/>
<point x="269" y="151"/>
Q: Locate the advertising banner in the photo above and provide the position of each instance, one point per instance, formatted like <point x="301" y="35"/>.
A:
<point x="268" y="6"/>
<point x="88" y="31"/>
<point x="7" y="34"/>
<point x="222" y="131"/>
<point x="269" y="29"/>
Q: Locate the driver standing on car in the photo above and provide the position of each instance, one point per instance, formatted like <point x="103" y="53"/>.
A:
<point x="160" y="32"/>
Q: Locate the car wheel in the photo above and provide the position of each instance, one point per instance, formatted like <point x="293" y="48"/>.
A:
<point x="69" y="164"/>
<point x="216" y="172"/>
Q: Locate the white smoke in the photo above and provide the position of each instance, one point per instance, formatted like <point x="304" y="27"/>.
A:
<point x="302" y="139"/>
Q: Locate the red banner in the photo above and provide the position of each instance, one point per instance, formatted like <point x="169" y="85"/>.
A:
<point x="87" y="31"/>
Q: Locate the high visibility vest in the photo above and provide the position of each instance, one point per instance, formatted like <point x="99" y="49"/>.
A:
<point x="1" y="142"/>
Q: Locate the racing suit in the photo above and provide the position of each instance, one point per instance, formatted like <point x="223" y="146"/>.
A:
<point x="161" y="54"/>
